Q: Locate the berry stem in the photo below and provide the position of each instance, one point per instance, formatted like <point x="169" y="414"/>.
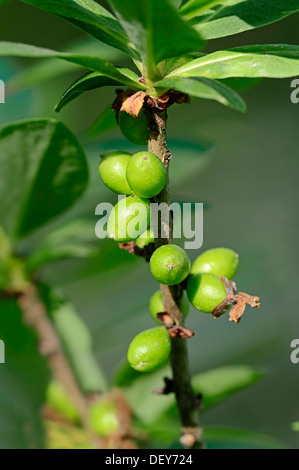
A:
<point x="186" y="400"/>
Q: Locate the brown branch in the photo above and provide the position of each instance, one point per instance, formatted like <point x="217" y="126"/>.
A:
<point x="50" y="347"/>
<point x="187" y="403"/>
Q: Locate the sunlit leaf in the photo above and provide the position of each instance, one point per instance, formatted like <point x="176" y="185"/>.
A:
<point x="192" y="8"/>
<point x="243" y="15"/>
<point x="276" y="61"/>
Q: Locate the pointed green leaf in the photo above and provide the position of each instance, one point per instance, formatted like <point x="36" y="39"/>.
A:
<point x="43" y="170"/>
<point x="156" y="29"/>
<point x="48" y="69"/>
<point x="10" y="49"/>
<point x="205" y="88"/>
<point x="279" y="61"/>
<point x="90" y="81"/>
<point x="91" y="18"/>
<point x="218" y="384"/>
<point x="243" y="15"/>
<point x="192" y="8"/>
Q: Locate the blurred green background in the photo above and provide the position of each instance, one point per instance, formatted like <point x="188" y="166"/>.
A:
<point x="244" y="167"/>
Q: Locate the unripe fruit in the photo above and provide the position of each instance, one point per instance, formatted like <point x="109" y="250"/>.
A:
<point x="145" y="239"/>
<point x="156" y="305"/>
<point x="128" y="219"/>
<point x="170" y="265"/>
<point x="205" y="291"/>
<point x="112" y="169"/>
<point x="134" y="129"/>
<point x="146" y="174"/>
<point x="221" y="261"/>
<point x="150" y="349"/>
<point x="103" y="418"/>
<point x="58" y="399"/>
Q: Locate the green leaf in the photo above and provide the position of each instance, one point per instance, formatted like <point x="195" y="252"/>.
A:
<point x="105" y="122"/>
<point x="218" y="384"/>
<point x="148" y="406"/>
<point x="279" y="61"/>
<point x="90" y="81"/>
<point x="70" y="241"/>
<point x="10" y="49"/>
<point x="24" y="378"/>
<point x="91" y="18"/>
<point x="43" y="170"/>
<point x="205" y="88"/>
<point x="230" y="438"/>
<point x="156" y="29"/>
<point x="192" y="8"/>
<point x="243" y="15"/>
<point x="48" y="69"/>
<point x="76" y="340"/>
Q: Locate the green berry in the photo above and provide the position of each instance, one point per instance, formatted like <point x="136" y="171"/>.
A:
<point x="146" y="238"/>
<point x="103" y="418"/>
<point x="135" y="130"/>
<point x="129" y="218"/>
<point x="205" y="291"/>
<point x="150" y="349"/>
<point x="146" y="174"/>
<point x="221" y="261"/>
<point x="156" y="305"/>
<point x="170" y="265"/>
<point x="112" y="169"/>
<point x="57" y="398"/>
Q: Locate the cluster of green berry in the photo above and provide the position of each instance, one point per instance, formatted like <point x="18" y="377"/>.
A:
<point x="205" y="290"/>
<point x="209" y="288"/>
<point x="140" y="177"/>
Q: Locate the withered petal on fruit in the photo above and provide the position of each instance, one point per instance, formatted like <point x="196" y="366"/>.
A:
<point x="238" y="309"/>
<point x="134" y="104"/>
<point x="179" y="331"/>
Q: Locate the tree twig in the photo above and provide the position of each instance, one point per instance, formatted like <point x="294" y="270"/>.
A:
<point x="50" y="347"/>
<point x="186" y="400"/>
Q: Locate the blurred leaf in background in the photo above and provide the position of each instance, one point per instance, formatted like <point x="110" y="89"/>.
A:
<point x="43" y="170"/>
<point x="23" y="378"/>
